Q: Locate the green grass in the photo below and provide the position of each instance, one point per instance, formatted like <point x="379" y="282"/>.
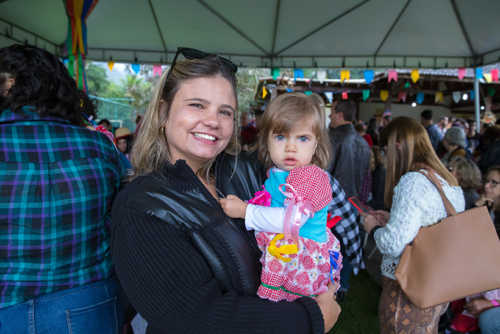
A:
<point x="360" y="307"/>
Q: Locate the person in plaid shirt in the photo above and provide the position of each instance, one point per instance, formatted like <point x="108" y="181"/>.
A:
<point x="57" y="183"/>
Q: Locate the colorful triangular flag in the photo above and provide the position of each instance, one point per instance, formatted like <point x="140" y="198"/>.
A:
<point x="438" y="98"/>
<point x="491" y="91"/>
<point x="407" y="84"/>
<point x="345" y="96"/>
<point x="298" y="73"/>
<point x="494" y="75"/>
<point x="264" y="92"/>
<point x="368" y="74"/>
<point x="415" y="75"/>
<point x="345" y="75"/>
<point x="456" y="96"/>
<point x="384" y="95"/>
<point x="392" y="75"/>
<point x="479" y="72"/>
<point x="487" y="77"/>
<point x="402" y="96"/>
<point x="321" y="75"/>
<point x="461" y="73"/>
<point x="157" y="70"/>
<point x="472" y="95"/>
<point x="136" y="68"/>
<point x="420" y="98"/>
<point x="111" y="64"/>
<point x="275" y="72"/>
<point x="366" y="94"/>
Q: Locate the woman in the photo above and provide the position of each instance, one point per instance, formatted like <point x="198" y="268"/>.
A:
<point x="454" y="142"/>
<point x="468" y="176"/>
<point x="414" y="202"/>
<point x="185" y="266"/>
<point x="57" y="181"/>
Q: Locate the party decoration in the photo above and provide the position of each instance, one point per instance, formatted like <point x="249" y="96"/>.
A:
<point x="472" y="95"/>
<point x="136" y="68"/>
<point x="461" y="73"/>
<point x="345" y="75"/>
<point x="491" y="91"/>
<point x="157" y="70"/>
<point x="402" y="96"/>
<point x="111" y="64"/>
<point x="321" y="75"/>
<point x="392" y="75"/>
<point x="368" y="74"/>
<point x="479" y="72"/>
<point x="329" y="96"/>
<point x="308" y="92"/>
<point x="415" y="75"/>
<point x="420" y="98"/>
<point x="345" y="96"/>
<point x="76" y="40"/>
<point x="366" y="94"/>
<point x="264" y="92"/>
<point x="384" y="95"/>
<point x="407" y="85"/>
<point x="494" y="75"/>
<point x="275" y="72"/>
<point x="487" y="77"/>
<point x="298" y="73"/>
<point x="456" y="97"/>
<point x="438" y="98"/>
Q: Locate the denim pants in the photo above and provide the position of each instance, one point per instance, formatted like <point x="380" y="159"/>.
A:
<point x="91" y="308"/>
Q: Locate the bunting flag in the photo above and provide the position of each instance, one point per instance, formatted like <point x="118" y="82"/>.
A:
<point x="494" y="75"/>
<point x="136" y="68"/>
<point x="345" y="96"/>
<point x="264" y="92"/>
<point x="461" y="73"/>
<point x="329" y="96"/>
<point x="298" y="73"/>
<point x="384" y="95"/>
<point x="407" y="85"/>
<point x="157" y="70"/>
<point x="487" y="77"/>
<point x="111" y="64"/>
<point x="472" y="95"/>
<point x="275" y="72"/>
<point x="345" y="75"/>
<point x="321" y="75"/>
<point x="438" y="98"/>
<point x="308" y="92"/>
<point x="456" y="96"/>
<point x="420" y="98"/>
<point x="415" y="75"/>
<point x="491" y="91"/>
<point x="368" y="74"/>
<point x="366" y="94"/>
<point x="392" y="75"/>
<point x="479" y="72"/>
<point x="402" y="96"/>
<point x="76" y="40"/>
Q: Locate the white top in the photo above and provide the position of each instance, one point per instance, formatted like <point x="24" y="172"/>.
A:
<point x="264" y="218"/>
<point x="416" y="202"/>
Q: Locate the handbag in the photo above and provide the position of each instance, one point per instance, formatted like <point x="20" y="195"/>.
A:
<point x="457" y="257"/>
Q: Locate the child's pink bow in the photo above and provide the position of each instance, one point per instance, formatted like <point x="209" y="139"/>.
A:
<point x="297" y="212"/>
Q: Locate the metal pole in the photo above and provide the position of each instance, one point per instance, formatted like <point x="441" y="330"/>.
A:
<point x="477" y="102"/>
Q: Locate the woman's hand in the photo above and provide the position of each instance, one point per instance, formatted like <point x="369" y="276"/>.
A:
<point x="478" y="305"/>
<point x="381" y="216"/>
<point x="483" y="200"/>
<point x="329" y="307"/>
<point x="233" y="206"/>
<point x="369" y="222"/>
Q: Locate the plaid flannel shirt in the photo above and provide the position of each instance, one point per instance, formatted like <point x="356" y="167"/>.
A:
<point x="57" y="182"/>
<point x="348" y="227"/>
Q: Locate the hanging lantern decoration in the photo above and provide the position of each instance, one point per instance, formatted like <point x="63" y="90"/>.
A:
<point x="157" y="70"/>
<point x="494" y="75"/>
<point x="345" y="96"/>
<point x="415" y="75"/>
<point x="461" y="73"/>
<point x="345" y="75"/>
<point x="392" y="75"/>
<point x="111" y="64"/>
<point x="384" y="95"/>
<point x="456" y="97"/>
<point x="438" y="98"/>
<point x="76" y="40"/>
<point x="368" y="74"/>
<point x="275" y="72"/>
<point x="366" y="94"/>
<point x="420" y="98"/>
<point x="402" y="96"/>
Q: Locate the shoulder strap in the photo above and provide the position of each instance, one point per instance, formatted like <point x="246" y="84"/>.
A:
<point x="450" y="210"/>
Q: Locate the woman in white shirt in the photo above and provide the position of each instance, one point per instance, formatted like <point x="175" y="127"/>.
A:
<point x="414" y="202"/>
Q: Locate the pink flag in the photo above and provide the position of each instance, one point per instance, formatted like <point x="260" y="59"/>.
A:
<point x="494" y="74"/>
<point x="344" y="96"/>
<point x="461" y="73"/>
<point x="392" y="75"/>
<point x="402" y="96"/>
<point x="157" y="70"/>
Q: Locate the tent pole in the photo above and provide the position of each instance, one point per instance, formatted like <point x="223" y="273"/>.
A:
<point x="477" y="102"/>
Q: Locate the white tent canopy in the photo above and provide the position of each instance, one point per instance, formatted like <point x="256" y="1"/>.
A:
<point x="265" y="33"/>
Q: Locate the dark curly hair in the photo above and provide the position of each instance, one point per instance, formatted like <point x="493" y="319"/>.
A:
<point x="42" y="81"/>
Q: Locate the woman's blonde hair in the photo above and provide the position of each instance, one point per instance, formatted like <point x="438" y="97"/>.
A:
<point x="466" y="171"/>
<point x="290" y="109"/>
<point x="409" y="149"/>
<point x="150" y="150"/>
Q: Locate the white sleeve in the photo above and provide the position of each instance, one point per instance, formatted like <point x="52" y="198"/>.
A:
<point x="264" y="218"/>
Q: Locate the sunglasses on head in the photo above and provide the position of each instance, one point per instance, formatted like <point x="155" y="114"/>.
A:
<point x="190" y="53"/>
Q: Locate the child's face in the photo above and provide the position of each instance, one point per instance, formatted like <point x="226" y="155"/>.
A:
<point x="293" y="149"/>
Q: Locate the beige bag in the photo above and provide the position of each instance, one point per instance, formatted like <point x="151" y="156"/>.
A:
<point x="457" y="257"/>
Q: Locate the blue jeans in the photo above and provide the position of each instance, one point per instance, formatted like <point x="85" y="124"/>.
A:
<point x="489" y="321"/>
<point x="91" y="308"/>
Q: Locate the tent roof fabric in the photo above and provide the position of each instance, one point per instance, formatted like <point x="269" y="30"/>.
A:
<point x="280" y="33"/>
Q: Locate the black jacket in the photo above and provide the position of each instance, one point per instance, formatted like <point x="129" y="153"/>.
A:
<point x="186" y="267"/>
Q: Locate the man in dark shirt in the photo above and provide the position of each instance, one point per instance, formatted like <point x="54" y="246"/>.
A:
<point x="435" y="135"/>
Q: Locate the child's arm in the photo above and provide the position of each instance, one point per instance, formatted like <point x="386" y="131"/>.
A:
<point x="258" y="218"/>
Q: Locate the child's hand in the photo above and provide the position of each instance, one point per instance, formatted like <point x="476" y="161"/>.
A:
<point x="233" y="206"/>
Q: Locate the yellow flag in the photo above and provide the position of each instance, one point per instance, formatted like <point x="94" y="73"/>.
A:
<point x="345" y="75"/>
<point x="487" y="77"/>
<point x="439" y="97"/>
<point x="111" y="64"/>
<point x="264" y="92"/>
<point x="384" y="95"/>
<point x="415" y="75"/>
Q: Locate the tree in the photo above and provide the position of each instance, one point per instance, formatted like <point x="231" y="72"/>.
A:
<point x="97" y="79"/>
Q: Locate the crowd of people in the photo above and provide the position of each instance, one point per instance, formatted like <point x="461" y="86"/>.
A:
<point x="178" y="224"/>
